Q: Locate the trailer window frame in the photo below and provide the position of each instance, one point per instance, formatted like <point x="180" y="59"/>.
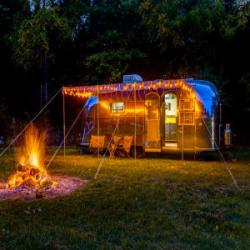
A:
<point x="186" y="118"/>
<point x="186" y="104"/>
<point x="117" y="107"/>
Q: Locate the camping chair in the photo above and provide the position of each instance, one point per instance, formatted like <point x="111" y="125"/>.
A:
<point x="115" y="143"/>
<point x="126" y="145"/>
<point x="97" y="143"/>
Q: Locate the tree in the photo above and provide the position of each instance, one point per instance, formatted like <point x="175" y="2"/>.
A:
<point x="42" y="33"/>
<point x="113" y="33"/>
<point x="98" y="41"/>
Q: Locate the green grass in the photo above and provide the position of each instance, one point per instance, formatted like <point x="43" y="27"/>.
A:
<point x="147" y="204"/>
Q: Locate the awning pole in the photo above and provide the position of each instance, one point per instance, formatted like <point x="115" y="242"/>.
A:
<point x="64" y="126"/>
<point x="220" y="125"/>
<point x="135" y="121"/>
<point x="195" y="128"/>
<point x="98" y="123"/>
<point x="182" y="148"/>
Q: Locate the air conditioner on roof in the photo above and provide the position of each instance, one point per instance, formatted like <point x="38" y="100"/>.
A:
<point x="132" y="78"/>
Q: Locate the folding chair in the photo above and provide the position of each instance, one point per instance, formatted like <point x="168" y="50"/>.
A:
<point x="97" y="143"/>
<point x="126" y="145"/>
<point x="115" y="143"/>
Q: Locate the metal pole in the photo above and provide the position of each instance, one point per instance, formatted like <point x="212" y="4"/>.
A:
<point x="64" y="127"/>
<point x="195" y="129"/>
<point x="135" y="122"/>
<point x="98" y="123"/>
<point x="182" y="148"/>
<point x="220" y="125"/>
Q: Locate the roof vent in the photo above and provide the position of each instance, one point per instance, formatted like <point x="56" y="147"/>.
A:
<point x="131" y="78"/>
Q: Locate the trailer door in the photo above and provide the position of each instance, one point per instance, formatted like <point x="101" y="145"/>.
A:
<point x="170" y="124"/>
<point x="152" y="122"/>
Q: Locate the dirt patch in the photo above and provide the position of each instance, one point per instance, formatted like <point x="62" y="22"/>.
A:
<point x="63" y="185"/>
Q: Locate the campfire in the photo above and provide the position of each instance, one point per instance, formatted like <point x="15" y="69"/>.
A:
<point x="31" y="179"/>
<point x="31" y="171"/>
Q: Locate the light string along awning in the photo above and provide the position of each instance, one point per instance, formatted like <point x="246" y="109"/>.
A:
<point x="88" y="91"/>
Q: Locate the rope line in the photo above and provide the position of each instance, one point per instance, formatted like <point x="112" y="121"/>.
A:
<point x="27" y="125"/>
<point x="62" y="142"/>
<point x="223" y="159"/>
<point x="103" y="157"/>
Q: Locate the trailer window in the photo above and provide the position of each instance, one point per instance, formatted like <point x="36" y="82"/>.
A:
<point x="186" y="104"/>
<point x="186" y="118"/>
<point x="117" y="107"/>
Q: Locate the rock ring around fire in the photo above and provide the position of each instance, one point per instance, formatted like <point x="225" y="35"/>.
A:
<point x="63" y="185"/>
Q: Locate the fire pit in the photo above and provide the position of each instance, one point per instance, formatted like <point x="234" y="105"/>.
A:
<point x="31" y="179"/>
<point x="62" y="185"/>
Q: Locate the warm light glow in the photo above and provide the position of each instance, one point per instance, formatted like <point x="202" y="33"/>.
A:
<point x="198" y="108"/>
<point x="31" y="170"/>
<point x="105" y="105"/>
<point x="136" y="110"/>
<point x="88" y="91"/>
<point x="77" y="92"/>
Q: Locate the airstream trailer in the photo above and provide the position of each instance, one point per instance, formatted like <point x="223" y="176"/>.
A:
<point x="161" y="115"/>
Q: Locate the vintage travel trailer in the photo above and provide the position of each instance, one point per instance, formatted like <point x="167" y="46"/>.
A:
<point x="161" y="115"/>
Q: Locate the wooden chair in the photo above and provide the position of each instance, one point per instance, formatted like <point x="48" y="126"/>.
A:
<point x="97" y="143"/>
<point x="115" y="143"/>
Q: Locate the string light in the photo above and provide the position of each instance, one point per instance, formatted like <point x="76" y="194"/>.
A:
<point x="88" y="91"/>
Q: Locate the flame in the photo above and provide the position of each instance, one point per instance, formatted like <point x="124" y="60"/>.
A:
<point x="30" y="168"/>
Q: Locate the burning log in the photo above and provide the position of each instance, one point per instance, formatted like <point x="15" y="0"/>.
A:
<point x="30" y="170"/>
<point x="55" y="186"/>
<point x="29" y="176"/>
<point x="34" y="172"/>
<point x="31" y="179"/>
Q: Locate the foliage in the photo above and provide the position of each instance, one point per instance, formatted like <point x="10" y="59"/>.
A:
<point x="41" y="34"/>
<point x="99" y="41"/>
<point x="110" y="64"/>
<point x="193" y="29"/>
<point x="108" y="37"/>
<point x="112" y="46"/>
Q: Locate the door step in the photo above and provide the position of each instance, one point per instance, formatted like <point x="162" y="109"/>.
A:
<point x="171" y="144"/>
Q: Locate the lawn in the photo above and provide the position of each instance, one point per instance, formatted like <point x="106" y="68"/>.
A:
<point x="144" y="204"/>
